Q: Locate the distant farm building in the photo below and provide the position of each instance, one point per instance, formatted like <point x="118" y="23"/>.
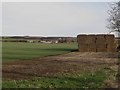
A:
<point x="96" y="43"/>
<point x="30" y="41"/>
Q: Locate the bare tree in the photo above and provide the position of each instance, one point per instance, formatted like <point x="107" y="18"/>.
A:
<point x="114" y="17"/>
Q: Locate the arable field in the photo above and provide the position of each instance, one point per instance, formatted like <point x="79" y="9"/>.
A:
<point x="36" y="65"/>
<point x="12" y="51"/>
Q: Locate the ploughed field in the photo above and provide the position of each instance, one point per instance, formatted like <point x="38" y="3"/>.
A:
<point x="67" y="69"/>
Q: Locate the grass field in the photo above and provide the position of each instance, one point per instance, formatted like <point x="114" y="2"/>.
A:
<point x="71" y="72"/>
<point x="86" y="80"/>
<point x="12" y="51"/>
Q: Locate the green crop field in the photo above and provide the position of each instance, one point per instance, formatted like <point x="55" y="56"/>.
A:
<point x="71" y="74"/>
<point x="12" y="51"/>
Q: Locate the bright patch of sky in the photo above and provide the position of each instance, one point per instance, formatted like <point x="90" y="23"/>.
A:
<point x="54" y="18"/>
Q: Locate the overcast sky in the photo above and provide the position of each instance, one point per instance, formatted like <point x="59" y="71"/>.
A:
<point x="54" y="18"/>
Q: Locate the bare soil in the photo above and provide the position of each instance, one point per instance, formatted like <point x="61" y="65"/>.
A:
<point x="74" y="62"/>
